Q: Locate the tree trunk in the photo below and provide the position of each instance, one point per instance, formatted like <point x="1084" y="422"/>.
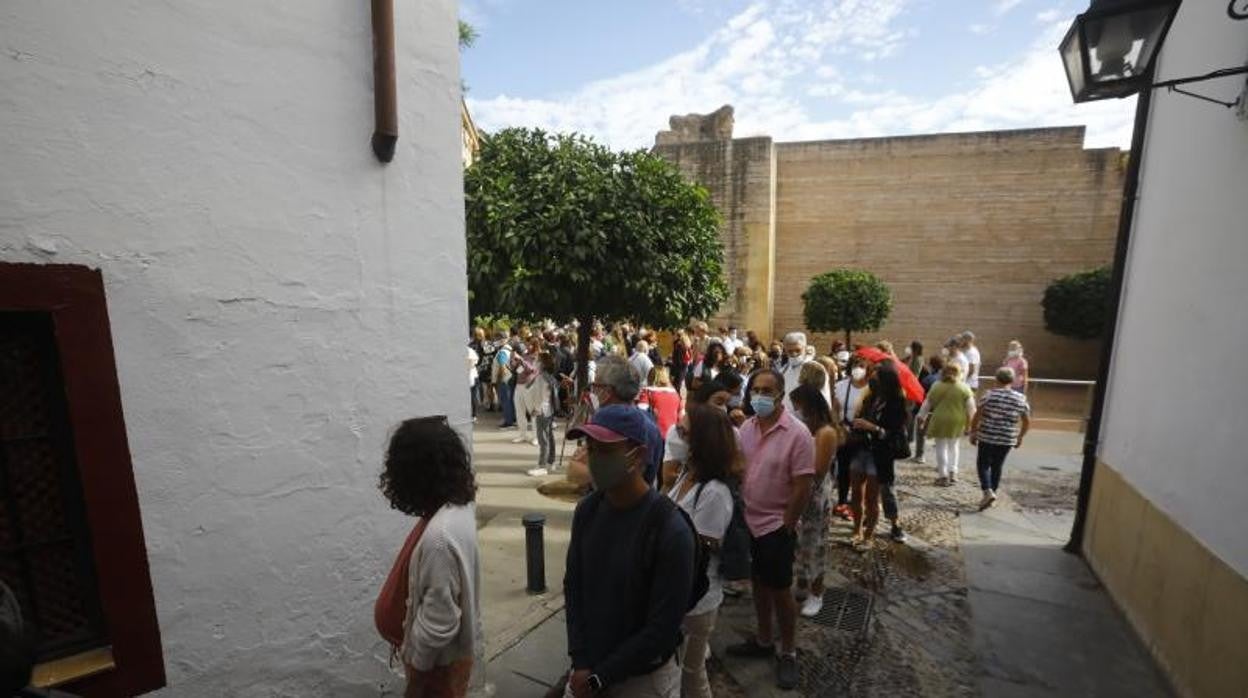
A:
<point x="848" y="347"/>
<point x="582" y="355"/>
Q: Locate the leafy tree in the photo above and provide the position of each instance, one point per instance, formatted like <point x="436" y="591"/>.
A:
<point x="1077" y="305"/>
<point x="467" y="34"/>
<point x="562" y="227"/>
<point x="846" y="300"/>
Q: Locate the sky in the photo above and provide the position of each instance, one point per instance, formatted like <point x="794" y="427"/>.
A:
<point x="792" y="69"/>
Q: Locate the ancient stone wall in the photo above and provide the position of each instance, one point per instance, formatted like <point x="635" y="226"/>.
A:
<point x="740" y="175"/>
<point x="966" y="229"/>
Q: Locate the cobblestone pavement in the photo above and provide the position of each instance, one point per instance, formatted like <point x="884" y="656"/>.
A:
<point x="918" y="641"/>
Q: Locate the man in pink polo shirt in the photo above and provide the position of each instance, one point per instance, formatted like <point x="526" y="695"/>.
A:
<point x="780" y="469"/>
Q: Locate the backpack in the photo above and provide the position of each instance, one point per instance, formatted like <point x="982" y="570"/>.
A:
<point x="644" y="553"/>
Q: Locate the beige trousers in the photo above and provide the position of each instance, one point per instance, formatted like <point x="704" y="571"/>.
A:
<point x="693" y="680"/>
<point x="663" y="682"/>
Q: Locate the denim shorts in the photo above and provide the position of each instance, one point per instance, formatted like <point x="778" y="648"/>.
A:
<point x="864" y="462"/>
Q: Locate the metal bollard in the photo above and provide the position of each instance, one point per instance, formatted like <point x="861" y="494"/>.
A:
<point x="535" y="552"/>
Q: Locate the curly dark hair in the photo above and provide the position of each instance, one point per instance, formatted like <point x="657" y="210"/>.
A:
<point x="426" y="467"/>
<point x="712" y="443"/>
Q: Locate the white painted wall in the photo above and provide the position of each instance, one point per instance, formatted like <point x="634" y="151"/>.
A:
<point x="278" y="298"/>
<point x="1176" y="422"/>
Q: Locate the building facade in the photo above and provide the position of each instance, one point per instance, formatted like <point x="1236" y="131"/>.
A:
<point x="1165" y="519"/>
<point x="967" y="229"/>
<point x="193" y="230"/>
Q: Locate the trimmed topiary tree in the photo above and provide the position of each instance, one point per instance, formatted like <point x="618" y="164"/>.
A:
<point x="1077" y="305"/>
<point x="846" y="300"/>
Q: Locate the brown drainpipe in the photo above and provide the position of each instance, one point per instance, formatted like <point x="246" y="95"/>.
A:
<point x="385" y="97"/>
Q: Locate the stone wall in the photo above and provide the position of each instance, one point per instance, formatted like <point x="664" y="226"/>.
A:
<point x="967" y="229"/>
<point x="740" y="175"/>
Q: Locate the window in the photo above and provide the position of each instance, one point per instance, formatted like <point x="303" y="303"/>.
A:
<point x="45" y="546"/>
<point x="71" y="539"/>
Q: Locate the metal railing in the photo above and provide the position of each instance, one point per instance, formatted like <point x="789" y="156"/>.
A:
<point x="1053" y="400"/>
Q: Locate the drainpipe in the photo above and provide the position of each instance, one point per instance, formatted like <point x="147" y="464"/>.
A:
<point x="1125" y="217"/>
<point x="385" y="97"/>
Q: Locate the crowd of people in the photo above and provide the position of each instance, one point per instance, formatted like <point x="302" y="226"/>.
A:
<point x="713" y="472"/>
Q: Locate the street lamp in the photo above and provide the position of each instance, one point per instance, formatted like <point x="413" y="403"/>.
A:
<point x="1109" y="50"/>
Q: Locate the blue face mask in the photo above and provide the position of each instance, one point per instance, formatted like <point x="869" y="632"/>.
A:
<point x="763" y="405"/>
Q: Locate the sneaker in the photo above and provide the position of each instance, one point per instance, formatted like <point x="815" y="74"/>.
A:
<point x="942" y="481"/>
<point x="538" y="472"/>
<point x="532" y="442"/>
<point x="751" y="648"/>
<point x="786" y="672"/>
<point x="989" y="499"/>
<point x="898" y="535"/>
<point x="812" y="605"/>
<point x="519" y="440"/>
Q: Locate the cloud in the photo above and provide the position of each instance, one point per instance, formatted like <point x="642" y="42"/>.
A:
<point x="981" y="29"/>
<point x="801" y="70"/>
<point x="1004" y="6"/>
<point x="1050" y="15"/>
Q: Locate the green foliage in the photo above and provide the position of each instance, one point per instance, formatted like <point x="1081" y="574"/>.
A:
<point x="1077" y="305"/>
<point x="467" y="34"/>
<point x="561" y="227"/>
<point x="846" y="300"/>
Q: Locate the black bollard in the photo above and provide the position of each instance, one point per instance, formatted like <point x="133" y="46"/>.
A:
<point x="535" y="552"/>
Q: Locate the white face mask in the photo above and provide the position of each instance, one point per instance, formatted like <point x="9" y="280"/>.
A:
<point x="1015" y="353"/>
<point x="858" y="373"/>
<point x="905" y="353"/>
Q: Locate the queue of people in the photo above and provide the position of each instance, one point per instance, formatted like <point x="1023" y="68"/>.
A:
<point x="717" y="471"/>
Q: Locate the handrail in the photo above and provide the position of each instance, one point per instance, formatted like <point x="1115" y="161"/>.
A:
<point x="1044" y="381"/>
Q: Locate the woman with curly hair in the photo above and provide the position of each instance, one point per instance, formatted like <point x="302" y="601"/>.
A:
<point x="438" y="634"/>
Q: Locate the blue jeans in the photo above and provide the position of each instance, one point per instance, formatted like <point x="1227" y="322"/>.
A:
<point x="990" y="462"/>
<point x="545" y="440"/>
<point x="509" y="409"/>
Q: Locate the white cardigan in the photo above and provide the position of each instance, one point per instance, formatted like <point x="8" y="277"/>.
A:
<point x="443" y="621"/>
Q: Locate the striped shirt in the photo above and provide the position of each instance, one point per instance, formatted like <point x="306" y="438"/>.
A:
<point x="1000" y="412"/>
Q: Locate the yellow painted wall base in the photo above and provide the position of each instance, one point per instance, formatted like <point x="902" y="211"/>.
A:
<point x="1190" y="607"/>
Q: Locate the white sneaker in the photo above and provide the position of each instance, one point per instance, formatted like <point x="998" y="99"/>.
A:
<point x="989" y="499"/>
<point x="539" y="472"/>
<point x="519" y="440"/>
<point x="533" y="442"/>
<point x="811" y="606"/>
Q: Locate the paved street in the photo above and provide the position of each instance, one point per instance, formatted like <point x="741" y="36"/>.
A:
<point x="975" y="604"/>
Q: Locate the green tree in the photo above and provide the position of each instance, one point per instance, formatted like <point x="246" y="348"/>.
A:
<point x="1077" y="305"/>
<point x="846" y="300"/>
<point x="559" y="226"/>
<point x="467" y="34"/>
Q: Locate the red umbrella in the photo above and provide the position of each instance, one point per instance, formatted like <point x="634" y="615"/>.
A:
<point x="909" y="382"/>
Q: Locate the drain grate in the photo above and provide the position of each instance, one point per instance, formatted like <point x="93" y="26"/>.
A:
<point x="845" y="609"/>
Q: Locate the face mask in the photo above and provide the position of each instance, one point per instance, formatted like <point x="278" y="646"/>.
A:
<point x="905" y="353"/>
<point x="794" y="356"/>
<point x="734" y="402"/>
<point x="763" y="405"/>
<point x="944" y="353"/>
<point x="607" y="470"/>
<point x="1015" y="353"/>
<point x="842" y="357"/>
<point x="858" y="373"/>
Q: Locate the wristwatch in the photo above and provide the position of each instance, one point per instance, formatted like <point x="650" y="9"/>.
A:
<point x="595" y="683"/>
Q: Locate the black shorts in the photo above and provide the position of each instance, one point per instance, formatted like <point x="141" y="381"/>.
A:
<point x="772" y="558"/>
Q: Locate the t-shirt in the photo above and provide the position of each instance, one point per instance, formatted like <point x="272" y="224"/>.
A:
<point x="957" y="357"/>
<point x="1017" y="364"/>
<point x="665" y="403"/>
<point x="773" y="459"/>
<point x="605" y="632"/>
<point x="711" y="517"/>
<point x="1000" y="412"/>
<point x="643" y="364"/>
<point x="677" y="448"/>
<point x="972" y="359"/>
<point x="850" y="396"/>
<point x="948" y="404"/>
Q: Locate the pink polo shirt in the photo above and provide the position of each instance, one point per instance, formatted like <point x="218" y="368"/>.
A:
<point x="772" y="460"/>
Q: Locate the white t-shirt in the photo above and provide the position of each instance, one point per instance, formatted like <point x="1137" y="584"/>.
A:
<point x="675" y="448"/>
<point x="849" y="406"/>
<point x="643" y="364"/>
<point x="957" y="357"/>
<point x="972" y="359"/>
<point x="711" y="517"/>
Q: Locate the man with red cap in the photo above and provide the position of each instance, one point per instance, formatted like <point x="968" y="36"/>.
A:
<point x="630" y="568"/>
